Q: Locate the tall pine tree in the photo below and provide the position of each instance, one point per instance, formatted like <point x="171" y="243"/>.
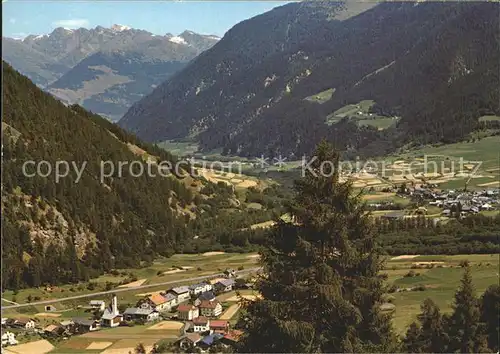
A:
<point x="464" y="327"/>
<point x="321" y="286"/>
<point x="490" y="315"/>
<point x="430" y="336"/>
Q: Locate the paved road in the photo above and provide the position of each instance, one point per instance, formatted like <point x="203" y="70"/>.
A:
<point x="185" y="281"/>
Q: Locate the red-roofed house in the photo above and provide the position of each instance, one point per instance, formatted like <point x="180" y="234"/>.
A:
<point x="210" y="308"/>
<point x="232" y="337"/>
<point x="157" y="302"/>
<point x="219" y="326"/>
<point x="187" y="312"/>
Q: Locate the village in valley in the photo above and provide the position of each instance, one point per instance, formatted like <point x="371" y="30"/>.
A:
<point x="191" y="317"/>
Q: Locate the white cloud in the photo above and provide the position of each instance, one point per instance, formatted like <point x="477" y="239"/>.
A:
<point x="12" y="20"/>
<point x="73" y="23"/>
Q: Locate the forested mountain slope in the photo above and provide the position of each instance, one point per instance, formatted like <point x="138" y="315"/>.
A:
<point x="433" y="65"/>
<point x="74" y="228"/>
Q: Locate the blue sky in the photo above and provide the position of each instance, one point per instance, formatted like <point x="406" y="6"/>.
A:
<point x="23" y="17"/>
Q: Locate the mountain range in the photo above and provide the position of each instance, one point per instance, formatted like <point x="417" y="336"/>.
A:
<point x="105" y="70"/>
<point x="279" y="82"/>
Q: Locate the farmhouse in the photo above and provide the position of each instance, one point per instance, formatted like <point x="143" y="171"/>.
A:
<point x="187" y="312"/>
<point x="224" y="285"/>
<point x="210" y="308"/>
<point x="111" y="317"/>
<point x="232" y="337"/>
<point x="8" y="338"/>
<point x="53" y="330"/>
<point x="98" y="305"/>
<point x="201" y="324"/>
<point x="27" y="324"/>
<point x="219" y="326"/>
<point x="181" y="293"/>
<point x="135" y="313"/>
<point x="83" y="325"/>
<point x="216" y="280"/>
<point x="158" y="302"/>
<point x="67" y="324"/>
<point x="200" y="288"/>
<point x="206" y="296"/>
<point x="189" y="340"/>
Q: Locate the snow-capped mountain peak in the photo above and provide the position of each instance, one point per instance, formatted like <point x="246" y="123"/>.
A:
<point x="119" y="28"/>
<point x="178" y="40"/>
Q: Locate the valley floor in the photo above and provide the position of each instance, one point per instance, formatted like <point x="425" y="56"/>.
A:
<point x="413" y="279"/>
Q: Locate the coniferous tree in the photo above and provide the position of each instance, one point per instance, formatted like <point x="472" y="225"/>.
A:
<point x="321" y="286"/>
<point x="464" y="327"/>
<point x="490" y="315"/>
<point x="430" y="336"/>
<point x="411" y="341"/>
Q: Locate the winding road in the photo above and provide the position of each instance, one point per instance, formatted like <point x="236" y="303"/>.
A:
<point x="185" y="281"/>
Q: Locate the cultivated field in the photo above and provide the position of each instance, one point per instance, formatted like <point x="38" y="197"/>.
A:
<point x="167" y="325"/>
<point x="38" y="347"/>
<point x="230" y="312"/>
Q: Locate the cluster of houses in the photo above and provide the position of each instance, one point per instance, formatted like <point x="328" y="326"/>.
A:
<point x="196" y="305"/>
<point x="9" y="337"/>
<point x="465" y="203"/>
<point x="227" y="339"/>
<point x="457" y="204"/>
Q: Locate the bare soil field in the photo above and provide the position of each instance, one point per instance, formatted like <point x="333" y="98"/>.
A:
<point x="140" y="336"/>
<point x="38" y="347"/>
<point x="230" y="312"/>
<point x="173" y="271"/>
<point x="208" y="254"/>
<point x="236" y="298"/>
<point x="47" y="314"/>
<point x="133" y="284"/>
<point x="98" y="345"/>
<point x="246" y="184"/>
<point x="170" y="325"/>
<point x="427" y="263"/>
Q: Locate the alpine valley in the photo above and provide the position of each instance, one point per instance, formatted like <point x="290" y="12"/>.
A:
<point x="105" y="70"/>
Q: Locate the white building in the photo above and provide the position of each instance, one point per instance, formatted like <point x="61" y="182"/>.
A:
<point x="200" y="288"/>
<point x="181" y="293"/>
<point x="111" y="316"/>
<point x="97" y="305"/>
<point x="8" y="338"/>
<point x="201" y="324"/>
<point x="187" y="312"/>
<point x="210" y="308"/>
